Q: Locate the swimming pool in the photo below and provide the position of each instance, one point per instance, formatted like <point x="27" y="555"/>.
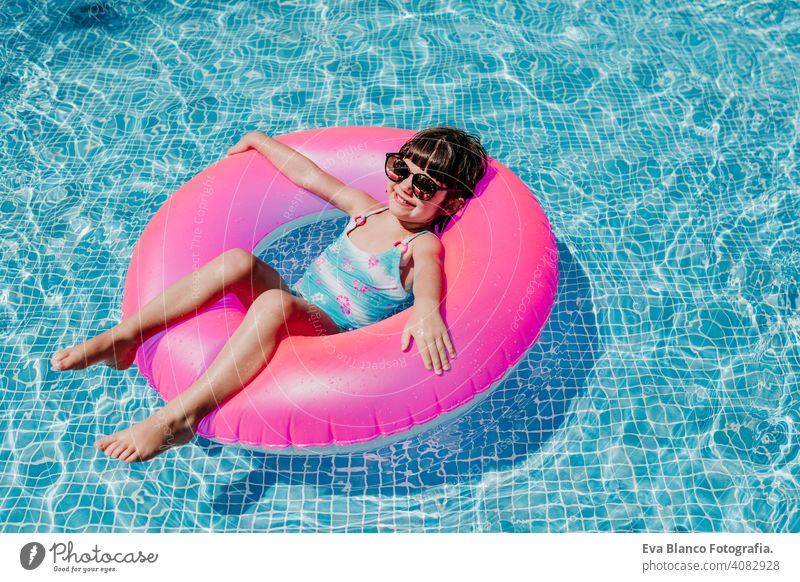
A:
<point x="660" y="140"/>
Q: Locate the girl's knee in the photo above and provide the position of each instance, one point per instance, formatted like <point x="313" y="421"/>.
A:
<point x="237" y="262"/>
<point x="275" y="305"/>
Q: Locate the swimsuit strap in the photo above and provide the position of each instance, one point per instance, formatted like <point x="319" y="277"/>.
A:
<point x="362" y="218"/>
<point x="381" y="209"/>
<point x="403" y="244"/>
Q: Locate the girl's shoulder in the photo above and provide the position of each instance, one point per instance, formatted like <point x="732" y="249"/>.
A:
<point x="425" y="243"/>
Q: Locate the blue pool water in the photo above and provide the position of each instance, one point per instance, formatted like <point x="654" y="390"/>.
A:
<point x="661" y="138"/>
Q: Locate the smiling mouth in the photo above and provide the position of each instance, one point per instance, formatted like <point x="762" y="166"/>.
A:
<point x="402" y="201"/>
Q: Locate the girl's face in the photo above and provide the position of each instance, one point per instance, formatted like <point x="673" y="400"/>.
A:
<point x="409" y="208"/>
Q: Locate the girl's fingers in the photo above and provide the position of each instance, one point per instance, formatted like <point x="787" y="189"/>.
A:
<point x="405" y="339"/>
<point x="434" y="351"/>
<point x="239" y="146"/>
<point x="423" y="351"/>
<point x="449" y="344"/>
<point x="442" y="353"/>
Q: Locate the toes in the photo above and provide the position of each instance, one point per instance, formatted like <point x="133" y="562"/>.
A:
<point x="131" y="457"/>
<point x="123" y="451"/>
<point x="65" y="362"/>
<point x="115" y="449"/>
<point x="57" y="361"/>
<point x="109" y="450"/>
<point x="104" y="442"/>
<point x="128" y="455"/>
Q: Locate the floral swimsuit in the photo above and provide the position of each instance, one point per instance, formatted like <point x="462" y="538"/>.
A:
<point x="354" y="287"/>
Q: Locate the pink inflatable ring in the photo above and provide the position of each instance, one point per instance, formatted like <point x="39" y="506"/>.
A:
<point x="357" y="389"/>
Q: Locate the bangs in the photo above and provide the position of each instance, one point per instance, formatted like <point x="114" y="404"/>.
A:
<point x="437" y="157"/>
<point x="454" y="158"/>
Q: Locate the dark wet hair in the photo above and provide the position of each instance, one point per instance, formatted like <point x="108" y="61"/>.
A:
<point x="451" y="156"/>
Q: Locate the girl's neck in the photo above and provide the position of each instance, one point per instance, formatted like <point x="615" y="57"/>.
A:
<point x="412" y="227"/>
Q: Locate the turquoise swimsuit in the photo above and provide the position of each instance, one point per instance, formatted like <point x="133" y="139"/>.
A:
<point x="354" y="287"/>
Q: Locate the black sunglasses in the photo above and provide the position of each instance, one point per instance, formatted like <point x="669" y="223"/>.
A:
<point x="422" y="186"/>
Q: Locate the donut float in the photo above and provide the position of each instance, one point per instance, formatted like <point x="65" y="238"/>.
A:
<point x="353" y="390"/>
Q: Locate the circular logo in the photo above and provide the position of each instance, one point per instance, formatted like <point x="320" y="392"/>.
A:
<point x="31" y="555"/>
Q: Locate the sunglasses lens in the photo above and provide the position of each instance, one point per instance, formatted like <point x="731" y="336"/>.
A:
<point x="423" y="188"/>
<point x="396" y="168"/>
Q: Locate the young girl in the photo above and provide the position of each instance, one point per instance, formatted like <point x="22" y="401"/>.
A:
<point x="362" y="277"/>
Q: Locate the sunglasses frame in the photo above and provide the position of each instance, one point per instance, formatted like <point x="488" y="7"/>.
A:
<point x="415" y="189"/>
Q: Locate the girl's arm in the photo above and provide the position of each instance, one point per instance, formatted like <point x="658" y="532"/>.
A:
<point x="426" y="324"/>
<point x="306" y="174"/>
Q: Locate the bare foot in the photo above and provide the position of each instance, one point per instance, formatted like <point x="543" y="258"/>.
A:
<point x="113" y="351"/>
<point x="149" y="438"/>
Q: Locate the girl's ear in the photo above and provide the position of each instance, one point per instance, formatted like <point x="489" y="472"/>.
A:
<point x="454" y="205"/>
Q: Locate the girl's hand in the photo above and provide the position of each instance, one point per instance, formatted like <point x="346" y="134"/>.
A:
<point x="251" y="140"/>
<point x="432" y="337"/>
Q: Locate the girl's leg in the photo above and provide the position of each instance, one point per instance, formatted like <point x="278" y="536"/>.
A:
<point x="271" y="316"/>
<point x="235" y="271"/>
